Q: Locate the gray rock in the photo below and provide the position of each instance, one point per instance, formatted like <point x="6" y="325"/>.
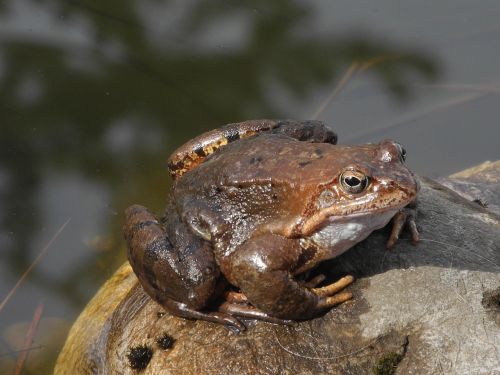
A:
<point x="479" y="184"/>
<point x="433" y="308"/>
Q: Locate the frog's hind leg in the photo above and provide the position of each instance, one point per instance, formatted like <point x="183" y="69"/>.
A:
<point x="306" y="131"/>
<point x="194" y="152"/>
<point x="233" y="297"/>
<point x="181" y="276"/>
<point x="237" y="304"/>
<point x="220" y="317"/>
<point x="263" y="270"/>
<point x="251" y="312"/>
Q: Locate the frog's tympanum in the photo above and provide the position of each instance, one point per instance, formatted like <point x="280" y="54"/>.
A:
<point x="257" y="204"/>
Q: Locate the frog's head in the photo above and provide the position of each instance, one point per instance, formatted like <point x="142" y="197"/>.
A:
<point x="374" y="181"/>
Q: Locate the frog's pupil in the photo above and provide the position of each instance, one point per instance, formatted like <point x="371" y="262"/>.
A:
<point x="352" y="181"/>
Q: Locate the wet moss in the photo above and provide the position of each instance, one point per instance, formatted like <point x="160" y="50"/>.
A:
<point x="387" y="364"/>
<point x="139" y="357"/>
<point x="165" y="341"/>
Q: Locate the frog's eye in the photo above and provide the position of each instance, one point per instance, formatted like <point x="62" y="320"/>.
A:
<point x="354" y="182"/>
<point x="401" y="151"/>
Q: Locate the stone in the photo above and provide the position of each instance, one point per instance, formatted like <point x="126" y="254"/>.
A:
<point x="433" y="308"/>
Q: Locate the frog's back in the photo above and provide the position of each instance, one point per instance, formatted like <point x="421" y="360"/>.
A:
<point x="273" y="158"/>
<point x="269" y="180"/>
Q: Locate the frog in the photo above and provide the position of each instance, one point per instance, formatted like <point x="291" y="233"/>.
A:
<point x="256" y="205"/>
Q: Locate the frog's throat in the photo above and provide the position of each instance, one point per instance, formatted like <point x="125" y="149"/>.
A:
<point x="337" y="236"/>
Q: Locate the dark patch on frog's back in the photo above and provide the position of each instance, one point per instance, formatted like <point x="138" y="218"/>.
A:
<point x="302" y="164"/>
<point x="233" y="136"/>
<point x="199" y="151"/>
<point x="318" y="152"/>
<point x="256" y="160"/>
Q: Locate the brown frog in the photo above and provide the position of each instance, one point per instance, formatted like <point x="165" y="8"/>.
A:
<point x="257" y="204"/>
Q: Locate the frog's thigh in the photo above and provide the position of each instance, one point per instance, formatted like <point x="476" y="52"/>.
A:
<point x="262" y="267"/>
<point x="194" y="152"/>
<point x="307" y="131"/>
<point x="182" y="269"/>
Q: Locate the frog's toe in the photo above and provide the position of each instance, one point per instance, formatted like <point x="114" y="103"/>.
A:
<point x="219" y="317"/>
<point x="226" y="319"/>
<point x="334" y="288"/>
<point x="406" y="216"/>
<point x="335" y="300"/>
<point x="415" y="235"/>
<point x="330" y="296"/>
<point x="251" y="312"/>
<point x="314" y="282"/>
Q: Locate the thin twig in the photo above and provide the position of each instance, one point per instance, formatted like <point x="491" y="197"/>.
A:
<point x="412" y="116"/>
<point x="21" y="350"/>
<point x="32" y="265"/>
<point x="28" y="340"/>
<point x="463" y="87"/>
<point x="377" y="60"/>
<point x="351" y="71"/>
<point x="354" y="68"/>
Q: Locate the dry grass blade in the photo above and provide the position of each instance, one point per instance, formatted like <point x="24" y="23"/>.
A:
<point x="354" y="68"/>
<point x="22" y="350"/>
<point x="32" y="265"/>
<point x="28" y="340"/>
<point x="377" y="60"/>
<point x="412" y="116"/>
<point x="338" y="88"/>
<point x="464" y="87"/>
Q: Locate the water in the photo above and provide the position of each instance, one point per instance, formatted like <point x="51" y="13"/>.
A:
<point x="94" y="97"/>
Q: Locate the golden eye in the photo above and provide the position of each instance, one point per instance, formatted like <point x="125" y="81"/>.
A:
<point x="354" y="182"/>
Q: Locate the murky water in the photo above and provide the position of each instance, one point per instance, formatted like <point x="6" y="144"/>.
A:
<point x="95" y="95"/>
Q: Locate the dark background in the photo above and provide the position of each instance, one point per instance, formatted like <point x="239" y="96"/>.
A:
<point x="94" y="95"/>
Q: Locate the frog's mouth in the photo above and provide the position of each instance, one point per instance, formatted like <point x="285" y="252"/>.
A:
<point x="354" y="213"/>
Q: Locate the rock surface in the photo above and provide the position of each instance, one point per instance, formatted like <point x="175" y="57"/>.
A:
<point x="429" y="309"/>
<point x="480" y="184"/>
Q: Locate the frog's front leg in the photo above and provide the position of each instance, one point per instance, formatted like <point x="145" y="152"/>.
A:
<point x="179" y="273"/>
<point x="263" y="269"/>
<point x="406" y="216"/>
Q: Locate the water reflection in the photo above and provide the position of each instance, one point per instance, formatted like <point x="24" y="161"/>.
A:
<point x="93" y="99"/>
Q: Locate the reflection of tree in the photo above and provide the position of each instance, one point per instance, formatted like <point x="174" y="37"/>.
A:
<point x="174" y="93"/>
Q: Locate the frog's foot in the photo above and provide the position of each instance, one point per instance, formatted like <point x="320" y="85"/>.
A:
<point x="406" y="216"/>
<point x="220" y="317"/>
<point x="251" y="312"/>
<point x="330" y="296"/>
<point x="233" y="297"/>
<point x="237" y="304"/>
